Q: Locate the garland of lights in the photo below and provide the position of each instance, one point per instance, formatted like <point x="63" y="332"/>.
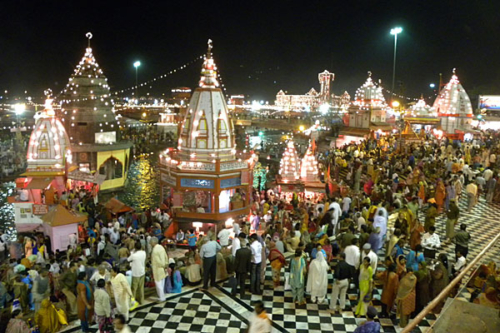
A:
<point x="163" y="76"/>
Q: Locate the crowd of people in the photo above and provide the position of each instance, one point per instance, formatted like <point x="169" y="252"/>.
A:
<point x="113" y="261"/>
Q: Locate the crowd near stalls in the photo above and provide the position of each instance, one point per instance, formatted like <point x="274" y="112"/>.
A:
<point x="119" y="254"/>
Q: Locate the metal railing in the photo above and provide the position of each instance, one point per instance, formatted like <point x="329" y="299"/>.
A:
<point x="446" y="291"/>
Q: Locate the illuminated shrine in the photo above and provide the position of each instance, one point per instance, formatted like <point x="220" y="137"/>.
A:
<point x="205" y="179"/>
<point x="453" y="107"/>
<point x="87" y="112"/>
<point x="369" y="108"/>
<point x="48" y="160"/>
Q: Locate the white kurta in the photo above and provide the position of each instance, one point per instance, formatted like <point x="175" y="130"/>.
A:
<point x="123" y="293"/>
<point x="159" y="261"/>
<point x="317" y="280"/>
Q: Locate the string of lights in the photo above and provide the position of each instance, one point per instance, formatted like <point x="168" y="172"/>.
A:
<point x="163" y="76"/>
<point x="409" y="98"/>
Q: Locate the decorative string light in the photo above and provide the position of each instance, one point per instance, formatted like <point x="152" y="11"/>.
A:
<point x="163" y="76"/>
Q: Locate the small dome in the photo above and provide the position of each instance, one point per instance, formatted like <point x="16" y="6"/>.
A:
<point x="369" y="94"/>
<point x="421" y="109"/>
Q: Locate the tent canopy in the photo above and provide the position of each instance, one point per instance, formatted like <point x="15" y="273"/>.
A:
<point x="115" y="206"/>
<point x="39" y="183"/>
<point x="61" y="216"/>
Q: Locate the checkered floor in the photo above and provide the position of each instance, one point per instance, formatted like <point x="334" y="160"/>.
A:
<point x="216" y="310"/>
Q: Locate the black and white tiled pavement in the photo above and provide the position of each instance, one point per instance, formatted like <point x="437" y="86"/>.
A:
<point x="216" y="310"/>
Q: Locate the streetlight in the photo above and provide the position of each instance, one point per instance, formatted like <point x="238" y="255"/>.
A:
<point x="136" y="65"/>
<point x="19" y="109"/>
<point x="395" y="32"/>
<point x="432" y="85"/>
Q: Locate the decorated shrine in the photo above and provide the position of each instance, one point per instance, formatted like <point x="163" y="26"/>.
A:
<point x="49" y="158"/>
<point x="453" y="107"/>
<point x="369" y="108"/>
<point x="205" y="179"/>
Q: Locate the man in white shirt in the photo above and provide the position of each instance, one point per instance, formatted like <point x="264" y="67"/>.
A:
<point x="256" y="248"/>
<point x="346" y="204"/>
<point x="208" y="253"/>
<point x="224" y="237"/>
<point x="352" y="255"/>
<point x="360" y="220"/>
<point x="430" y="243"/>
<point x="138" y="264"/>
<point x="268" y="217"/>
<point x="380" y="221"/>
<point x="367" y="252"/>
<point x="336" y="212"/>
<point x="460" y="264"/>
<point x="236" y="245"/>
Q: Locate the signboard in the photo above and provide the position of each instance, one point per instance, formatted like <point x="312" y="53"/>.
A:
<point x="40" y="209"/>
<point x="489" y="102"/>
<point x="198" y="183"/>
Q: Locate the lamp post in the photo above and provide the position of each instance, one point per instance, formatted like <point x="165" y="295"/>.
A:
<point x="136" y="65"/>
<point x="395" y="32"/>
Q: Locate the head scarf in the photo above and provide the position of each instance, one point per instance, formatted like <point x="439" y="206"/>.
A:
<point x="406" y="286"/>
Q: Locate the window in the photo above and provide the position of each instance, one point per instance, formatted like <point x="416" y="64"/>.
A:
<point x="222" y="143"/>
<point x="111" y="168"/>
<point x="222" y="127"/>
<point x="201" y="143"/>
<point x="202" y="127"/>
<point x="84" y="167"/>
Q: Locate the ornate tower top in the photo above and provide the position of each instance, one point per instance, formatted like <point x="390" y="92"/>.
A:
<point x="369" y="93"/>
<point x="207" y="132"/>
<point x="209" y="70"/>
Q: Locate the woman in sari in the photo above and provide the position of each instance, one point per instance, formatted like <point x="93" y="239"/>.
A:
<point x="102" y="304"/>
<point x="297" y="277"/>
<point x="405" y="299"/>
<point x="390" y="288"/>
<point x="84" y="301"/>
<point x="277" y="261"/>
<point x="174" y="278"/>
<point x="414" y="257"/>
<point x="440" y="194"/>
<point x="317" y="280"/>
<point x="401" y="266"/>
<point x="439" y="279"/>
<point x="122" y="291"/>
<point x="365" y="287"/>
<point x="430" y="217"/>
<point x="47" y="318"/>
<point x="423" y="286"/>
<point x="416" y="234"/>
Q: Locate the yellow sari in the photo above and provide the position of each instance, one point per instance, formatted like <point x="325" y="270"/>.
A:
<point x="47" y="319"/>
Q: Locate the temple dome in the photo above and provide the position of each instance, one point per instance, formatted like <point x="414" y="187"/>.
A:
<point x="207" y="131"/>
<point x="453" y="100"/>
<point x="49" y="144"/>
<point x="369" y="94"/>
<point x="421" y="109"/>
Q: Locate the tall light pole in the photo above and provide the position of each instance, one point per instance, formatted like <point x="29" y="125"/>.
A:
<point x="395" y="32"/>
<point x="136" y="65"/>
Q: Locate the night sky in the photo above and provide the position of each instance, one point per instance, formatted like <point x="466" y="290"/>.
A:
<point x="259" y="47"/>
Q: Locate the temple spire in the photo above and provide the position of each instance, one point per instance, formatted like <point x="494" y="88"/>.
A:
<point x="209" y="70"/>
<point x="89" y="37"/>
